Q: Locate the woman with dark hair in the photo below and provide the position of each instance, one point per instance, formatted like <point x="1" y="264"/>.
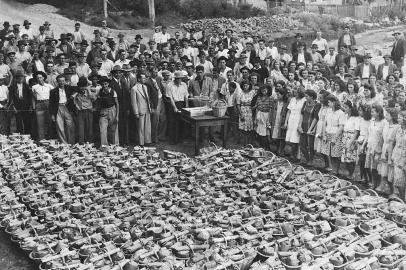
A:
<point x="340" y="91"/>
<point x="333" y="134"/>
<point x="364" y="111"/>
<point x="398" y="159"/>
<point x="374" y="144"/>
<point x="292" y="83"/>
<point x="262" y="108"/>
<point x="276" y="71"/>
<point x="307" y="125"/>
<point x="285" y="73"/>
<point x="292" y="121"/>
<point x="244" y="99"/>
<point x="369" y="96"/>
<point x="352" y="90"/>
<point x="304" y="77"/>
<point x="391" y="81"/>
<point x="277" y="117"/>
<point x="388" y="134"/>
<point x="350" y="136"/>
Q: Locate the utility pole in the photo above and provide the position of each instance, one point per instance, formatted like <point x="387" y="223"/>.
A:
<point x="105" y="9"/>
<point x="151" y="4"/>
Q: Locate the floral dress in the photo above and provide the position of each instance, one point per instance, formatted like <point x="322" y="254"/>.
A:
<point x="295" y="107"/>
<point x="350" y="152"/>
<point x="388" y="134"/>
<point x="262" y="115"/>
<point x="333" y="144"/>
<point x="398" y="158"/>
<point x="374" y="143"/>
<point x="319" y="128"/>
<point x="244" y="100"/>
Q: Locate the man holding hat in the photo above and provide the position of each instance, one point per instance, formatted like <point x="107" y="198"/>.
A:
<point x="366" y="68"/>
<point x="346" y="39"/>
<point x="386" y="68"/>
<point x="398" y="50"/>
<point x="20" y="96"/>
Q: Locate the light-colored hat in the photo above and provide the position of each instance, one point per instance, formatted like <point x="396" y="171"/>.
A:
<point x="178" y="75"/>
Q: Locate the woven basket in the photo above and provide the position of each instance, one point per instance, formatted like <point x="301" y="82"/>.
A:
<point x="220" y="108"/>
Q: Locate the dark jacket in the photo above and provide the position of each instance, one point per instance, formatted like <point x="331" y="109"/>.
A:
<point x="295" y="47"/>
<point x="54" y="100"/>
<point x="379" y="74"/>
<point x="398" y="51"/>
<point x="25" y="102"/>
<point x="341" y="40"/>
<point x="359" y="69"/>
<point x="153" y="92"/>
<point x="123" y="95"/>
<point x="348" y="58"/>
<point x="307" y="55"/>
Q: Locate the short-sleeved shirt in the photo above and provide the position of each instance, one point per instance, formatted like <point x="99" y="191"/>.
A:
<point x="41" y="92"/>
<point x="352" y="124"/>
<point x="3" y="92"/>
<point x="178" y="93"/>
<point x="334" y="120"/>
<point x="4" y="69"/>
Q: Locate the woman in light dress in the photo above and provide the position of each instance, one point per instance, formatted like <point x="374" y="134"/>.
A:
<point x="318" y="140"/>
<point x="245" y="123"/>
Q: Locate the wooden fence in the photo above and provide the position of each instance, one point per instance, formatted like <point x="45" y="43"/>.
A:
<point x="340" y="10"/>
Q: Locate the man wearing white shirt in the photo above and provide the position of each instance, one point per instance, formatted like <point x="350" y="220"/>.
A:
<point x="164" y="37"/>
<point x="246" y="38"/>
<point x="82" y="69"/>
<point x="27" y="30"/>
<point x="22" y="55"/>
<point x="263" y="51"/>
<point x="221" y="51"/>
<point x="283" y="55"/>
<point x="187" y="50"/>
<point x="40" y="102"/>
<point x="223" y="69"/>
<point x="330" y="59"/>
<point x="78" y="35"/>
<point x="321" y="44"/>
<point x="207" y="65"/>
<point x="272" y="49"/>
<point x="107" y="65"/>
<point x="122" y="59"/>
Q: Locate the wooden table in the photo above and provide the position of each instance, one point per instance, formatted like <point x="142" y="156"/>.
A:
<point x="206" y="121"/>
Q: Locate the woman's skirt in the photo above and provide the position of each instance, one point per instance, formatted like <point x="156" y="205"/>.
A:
<point x="332" y="146"/>
<point x="371" y="160"/>
<point x="349" y="153"/>
<point x="261" y="121"/>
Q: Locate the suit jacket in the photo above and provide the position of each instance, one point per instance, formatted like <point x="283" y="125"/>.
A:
<point x="360" y="68"/>
<point x="25" y="102"/>
<point x="123" y="95"/>
<point x="54" y="100"/>
<point x="341" y="40"/>
<point x="295" y="45"/>
<point x="140" y="102"/>
<point x="307" y="55"/>
<point x="207" y="87"/>
<point x="379" y="74"/>
<point x="153" y="92"/>
<point x="348" y="58"/>
<point x="398" y="51"/>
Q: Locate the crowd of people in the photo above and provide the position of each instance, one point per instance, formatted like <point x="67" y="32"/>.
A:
<point x="300" y="100"/>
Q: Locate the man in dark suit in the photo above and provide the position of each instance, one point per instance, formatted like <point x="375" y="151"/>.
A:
<point x="295" y="44"/>
<point x="141" y="47"/>
<point x="123" y="97"/>
<point x="341" y="55"/>
<point x="20" y="96"/>
<point x="61" y="107"/>
<point x="227" y="40"/>
<point x="302" y="56"/>
<point x="155" y="95"/>
<point x="127" y="82"/>
<point x="346" y="38"/>
<point x="365" y="69"/>
<point x="398" y="50"/>
<point x="386" y="68"/>
<point x="353" y="60"/>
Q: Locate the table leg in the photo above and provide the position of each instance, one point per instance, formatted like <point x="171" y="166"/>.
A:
<point x="197" y="128"/>
<point x="225" y="134"/>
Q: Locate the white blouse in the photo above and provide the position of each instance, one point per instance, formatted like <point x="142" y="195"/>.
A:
<point x="41" y="92"/>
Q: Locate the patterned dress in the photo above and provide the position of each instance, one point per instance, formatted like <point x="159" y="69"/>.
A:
<point x="350" y="152"/>
<point x="262" y="115"/>
<point x="333" y="145"/>
<point x="244" y="100"/>
<point x="388" y="134"/>
<point x="398" y="176"/>
<point x="374" y="143"/>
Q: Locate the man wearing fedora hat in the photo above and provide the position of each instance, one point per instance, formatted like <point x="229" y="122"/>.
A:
<point x="27" y="30"/>
<point x="296" y="43"/>
<point x="398" y="50"/>
<point x="141" y="47"/>
<point x="20" y="96"/>
<point x="353" y="60"/>
<point x="385" y="68"/>
<point x="64" y="46"/>
<point x="5" y="31"/>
